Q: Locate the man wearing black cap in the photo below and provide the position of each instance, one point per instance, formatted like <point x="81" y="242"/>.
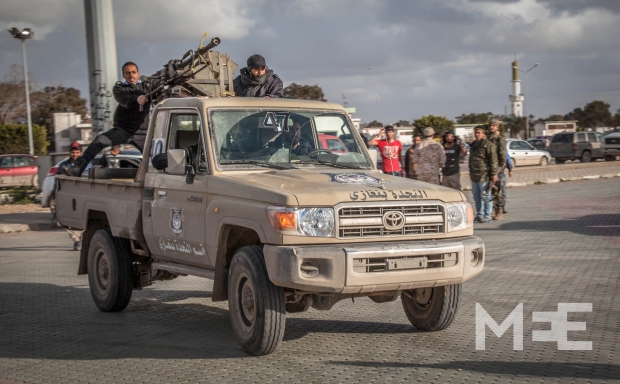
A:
<point x="451" y="173"/>
<point x="256" y="80"/>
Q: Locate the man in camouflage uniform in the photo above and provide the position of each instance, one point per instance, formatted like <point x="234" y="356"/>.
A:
<point x="428" y="158"/>
<point x="500" y="147"/>
<point x="482" y="170"/>
<point x="409" y="169"/>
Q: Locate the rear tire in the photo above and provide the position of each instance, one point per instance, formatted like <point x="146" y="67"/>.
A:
<point x="514" y="163"/>
<point x="432" y="309"/>
<point x="586" y="157"/>
<point x="543" y="161"/>
<point x="256" y="305"/>
<point x="109" y="271"/>
<point x="610" y="158"/>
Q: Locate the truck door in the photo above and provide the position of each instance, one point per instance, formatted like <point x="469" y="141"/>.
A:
<point x="179" y="207"/>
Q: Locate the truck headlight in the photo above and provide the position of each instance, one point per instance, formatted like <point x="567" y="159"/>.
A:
<point x="316" y="222"/>
<point x="460" y="216"/>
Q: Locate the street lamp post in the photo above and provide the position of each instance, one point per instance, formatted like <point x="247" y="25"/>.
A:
<point x="23" y="35"/>
<point x="527" y="112"/>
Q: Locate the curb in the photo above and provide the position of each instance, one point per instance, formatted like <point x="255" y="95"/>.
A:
<point x="556" y="180"/>
<point x="16" y="228"/>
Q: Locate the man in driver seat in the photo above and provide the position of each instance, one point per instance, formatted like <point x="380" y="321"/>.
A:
<point x="291" y="139"/>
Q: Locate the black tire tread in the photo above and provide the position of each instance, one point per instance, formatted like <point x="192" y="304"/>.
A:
<point x="273" y="299"/>
<point x="449" y="300"/>
<point x="121" y="294"/>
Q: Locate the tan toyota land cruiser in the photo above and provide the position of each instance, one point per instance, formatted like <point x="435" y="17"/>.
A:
<point x="250" y="199"/>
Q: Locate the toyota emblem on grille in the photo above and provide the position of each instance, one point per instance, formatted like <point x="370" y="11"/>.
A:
<point x="393" y="220"/>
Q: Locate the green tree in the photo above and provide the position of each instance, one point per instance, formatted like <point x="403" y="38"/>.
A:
<point x="439" y="123"/>
<point x="616" y="119"/>
<point x="13" y="97"/>
<point x="304" y="92"/>
<point x="594" y="114"/>
<point x="474" y="118"/>
<point x="554" y="118"/>
<point x="14" y="139"/>
<point x="54" y="99"/>
<point x="402" y="123"/>
<point x="373" y="124"/>
<point x="514" y="124"/>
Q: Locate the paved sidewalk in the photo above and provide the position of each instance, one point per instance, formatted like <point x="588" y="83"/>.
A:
<point x="548" y="250"/>
<point x="556" y="173"/>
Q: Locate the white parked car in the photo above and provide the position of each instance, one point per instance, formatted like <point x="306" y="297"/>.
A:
<point x="523" y="153"/>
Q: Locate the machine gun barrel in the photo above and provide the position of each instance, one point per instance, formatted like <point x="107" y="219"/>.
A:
<point x="212" y="44"/>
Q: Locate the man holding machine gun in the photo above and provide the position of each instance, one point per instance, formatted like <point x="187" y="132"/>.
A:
<point x="131" y="119"/>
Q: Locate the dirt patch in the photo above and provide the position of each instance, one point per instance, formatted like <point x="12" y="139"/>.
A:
<point x="19" y="208"/>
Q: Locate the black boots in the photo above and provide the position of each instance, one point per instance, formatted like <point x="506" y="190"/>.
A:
<point x="75" y="169"/>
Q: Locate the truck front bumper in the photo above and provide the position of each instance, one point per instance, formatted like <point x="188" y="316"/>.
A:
<point x="375" y="267"/>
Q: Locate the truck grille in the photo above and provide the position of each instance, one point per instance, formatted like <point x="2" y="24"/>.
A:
<point x="390" y="220"/>
<point x="612" y="140"/>
<point x="403" y="263"/>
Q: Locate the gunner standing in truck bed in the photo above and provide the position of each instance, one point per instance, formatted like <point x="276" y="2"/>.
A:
<point x="256" y="80"/>
<point x="131" y="119"/>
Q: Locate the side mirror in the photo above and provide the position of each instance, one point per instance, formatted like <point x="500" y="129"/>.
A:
<point x="177" y="162"/>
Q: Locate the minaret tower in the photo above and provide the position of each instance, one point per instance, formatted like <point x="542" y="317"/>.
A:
<point x="517" y="97"/>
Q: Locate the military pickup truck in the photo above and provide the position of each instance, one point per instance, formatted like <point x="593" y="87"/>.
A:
<point x="249" y="198"/>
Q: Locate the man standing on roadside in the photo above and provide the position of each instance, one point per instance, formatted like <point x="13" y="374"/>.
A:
<point x="131" y="119"/>
<point x="451" y="172"/>
<point x="482" y="169"/>
<point x="409" y="169"/>
<point x="390" y="151"/>
<point x="74" y="153"/>
<point x="429" y="158"/>
<point x="500" y="147"/>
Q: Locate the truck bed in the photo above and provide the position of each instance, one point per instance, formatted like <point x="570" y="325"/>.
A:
<point x="119" y="201"/>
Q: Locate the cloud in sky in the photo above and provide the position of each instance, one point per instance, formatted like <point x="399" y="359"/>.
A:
<point x="443" y="57"/>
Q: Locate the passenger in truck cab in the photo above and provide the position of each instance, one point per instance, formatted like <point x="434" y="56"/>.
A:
<point x="257" y="80"/>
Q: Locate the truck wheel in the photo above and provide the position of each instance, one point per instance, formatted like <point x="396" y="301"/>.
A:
<point x="610" y="158"/>
<point x="560" y="161"/>
<point x="109" y="271"/>
<point x="432" y="309"/>
<point x="257" y="307"/>
<point x="586" y="157"/>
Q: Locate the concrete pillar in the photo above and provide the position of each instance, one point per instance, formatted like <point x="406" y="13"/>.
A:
<point x="103" y="70"/>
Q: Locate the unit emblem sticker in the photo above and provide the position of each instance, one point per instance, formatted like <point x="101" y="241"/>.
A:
<point x="356" y="178"/>
<point x="177" y="221"/>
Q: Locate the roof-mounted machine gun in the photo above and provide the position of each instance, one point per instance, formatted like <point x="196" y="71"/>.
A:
<point x="197" y="73"/>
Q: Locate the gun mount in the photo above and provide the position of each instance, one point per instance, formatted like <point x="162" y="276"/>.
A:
<point x="198" y="73"/>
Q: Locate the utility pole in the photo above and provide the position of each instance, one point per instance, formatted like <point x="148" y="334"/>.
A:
<point x="23" y="35"/>
<point x="102" y="63"/>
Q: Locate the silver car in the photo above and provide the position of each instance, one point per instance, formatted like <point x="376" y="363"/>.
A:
<point x="523" y="153"/>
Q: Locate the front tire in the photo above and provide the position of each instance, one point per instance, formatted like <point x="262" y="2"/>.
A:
<point x="432" y="309"/>
<point x="109" y="271"/>
<point x="256" y="305"/>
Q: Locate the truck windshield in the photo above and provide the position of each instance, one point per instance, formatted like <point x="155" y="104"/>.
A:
<point x="290" y="139"/>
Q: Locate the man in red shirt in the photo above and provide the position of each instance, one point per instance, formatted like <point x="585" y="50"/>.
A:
<point x="389" y="149"/>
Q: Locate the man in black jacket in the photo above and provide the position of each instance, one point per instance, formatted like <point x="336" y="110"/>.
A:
<point x="131" y="119"/>
<point x="256" y="80"/>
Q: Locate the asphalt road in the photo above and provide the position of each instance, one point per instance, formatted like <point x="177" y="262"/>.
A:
<point x="559" y="243"/>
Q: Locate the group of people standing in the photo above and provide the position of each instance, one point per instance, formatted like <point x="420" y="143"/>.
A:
<point x="438" y="163"/>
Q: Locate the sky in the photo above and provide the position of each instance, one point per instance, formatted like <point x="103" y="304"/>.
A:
<point x="440" y="57"/>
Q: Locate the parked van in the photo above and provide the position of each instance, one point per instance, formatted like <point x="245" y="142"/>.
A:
<point x="582" y="146"/>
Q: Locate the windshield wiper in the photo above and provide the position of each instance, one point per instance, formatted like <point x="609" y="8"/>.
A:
<point x="323" y="162"/>
<point x="254" y="162"/>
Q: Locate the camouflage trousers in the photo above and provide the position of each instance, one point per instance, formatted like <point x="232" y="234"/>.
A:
<point x="499" y="191"/>
<point x="429" y="178"/>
